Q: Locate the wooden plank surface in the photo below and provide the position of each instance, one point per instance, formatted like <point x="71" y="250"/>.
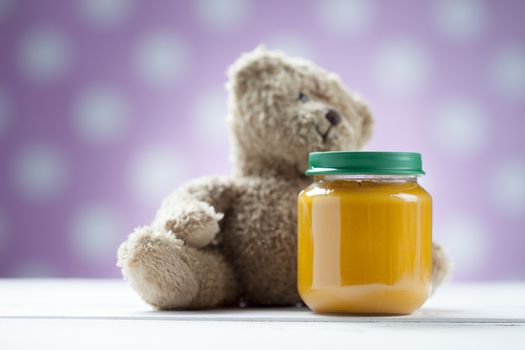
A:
<point x="113" y="299"/>
<point x="96" y="334"/>
<point x="89" y="314"/>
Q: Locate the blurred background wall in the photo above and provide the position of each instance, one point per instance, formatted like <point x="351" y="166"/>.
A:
<point x="107" y="105"/>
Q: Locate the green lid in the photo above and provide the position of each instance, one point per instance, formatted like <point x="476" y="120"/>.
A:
<point x="364" y="163"/>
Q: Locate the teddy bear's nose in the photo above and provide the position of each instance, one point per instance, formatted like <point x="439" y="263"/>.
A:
<point x="333" y="117"/>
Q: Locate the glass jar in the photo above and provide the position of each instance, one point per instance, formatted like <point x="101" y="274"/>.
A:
<point x="364" y="234"/>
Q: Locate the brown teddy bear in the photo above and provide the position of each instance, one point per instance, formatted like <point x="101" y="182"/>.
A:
<point x="222" y="238"/>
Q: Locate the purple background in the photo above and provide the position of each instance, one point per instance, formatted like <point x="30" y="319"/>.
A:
<point x="105" y="106"/>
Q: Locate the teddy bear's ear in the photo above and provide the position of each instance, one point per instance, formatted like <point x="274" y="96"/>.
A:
<point x="251" y="69"/>
<point x="366" y="120"/>
<point x="261" y="48"/>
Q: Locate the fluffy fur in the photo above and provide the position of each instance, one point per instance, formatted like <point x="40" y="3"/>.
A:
<point x="219" y="239"/>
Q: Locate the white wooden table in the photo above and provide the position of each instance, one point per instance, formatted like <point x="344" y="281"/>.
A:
<point x="94" y="314"/>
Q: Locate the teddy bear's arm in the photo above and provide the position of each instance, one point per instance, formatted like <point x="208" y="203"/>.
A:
<point x="193" y="212"/>
<point x="169" y="263"/>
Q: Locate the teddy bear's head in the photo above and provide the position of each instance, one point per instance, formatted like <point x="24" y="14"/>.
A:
<point x="283" y="108"/>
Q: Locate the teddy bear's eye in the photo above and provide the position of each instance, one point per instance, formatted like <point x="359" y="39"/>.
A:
<point x="302" y="97"/>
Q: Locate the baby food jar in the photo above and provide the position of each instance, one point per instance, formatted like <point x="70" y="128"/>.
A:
<point x="364" y="234"/>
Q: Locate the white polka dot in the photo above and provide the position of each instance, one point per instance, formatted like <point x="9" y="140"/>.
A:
<point x="95" y="232"/>
<point x="507" y="186"/>
<point x="100" y="114"/>
<point x="209" y="117"/>
<point x="507" y="71"/>
<point x="467" y="240"/>
<point x="5" y="8"/>
<point x="36" y="269"/>
<point x="40" y="172"/>
<point x="292" y="45"/>
<point x="5" y="112"/>
<point x="460" y="19"/>
<point x="154" y="172"/>
<point x="161" y="58"/>
<point x="461" y="127"/>
<point x="344" y="17"/>
<point x="222" y="15"/>
<point x="44" y="54"/>
<point x="402" y="67"/>
<point x="106" y="13"/>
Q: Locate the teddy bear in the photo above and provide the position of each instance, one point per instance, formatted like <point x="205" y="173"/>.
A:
<point x="222" y="240"/>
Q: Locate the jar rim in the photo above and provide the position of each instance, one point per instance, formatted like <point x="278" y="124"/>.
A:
<point x="364" y="163"/>
<point x="365" y="177"/>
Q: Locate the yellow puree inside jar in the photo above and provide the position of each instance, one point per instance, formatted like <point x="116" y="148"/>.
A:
<point x="364" y="246"/>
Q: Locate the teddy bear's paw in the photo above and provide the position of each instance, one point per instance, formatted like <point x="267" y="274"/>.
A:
<point x="157" y="267"/>
<point x="441" y="266"/>
<point x="196" y="223"/>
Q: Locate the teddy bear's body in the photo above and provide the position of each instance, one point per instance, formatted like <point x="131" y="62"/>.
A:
<point x="219" y="239"/>
<point x="270" y="277"/>
<point x="266" y="266"/>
